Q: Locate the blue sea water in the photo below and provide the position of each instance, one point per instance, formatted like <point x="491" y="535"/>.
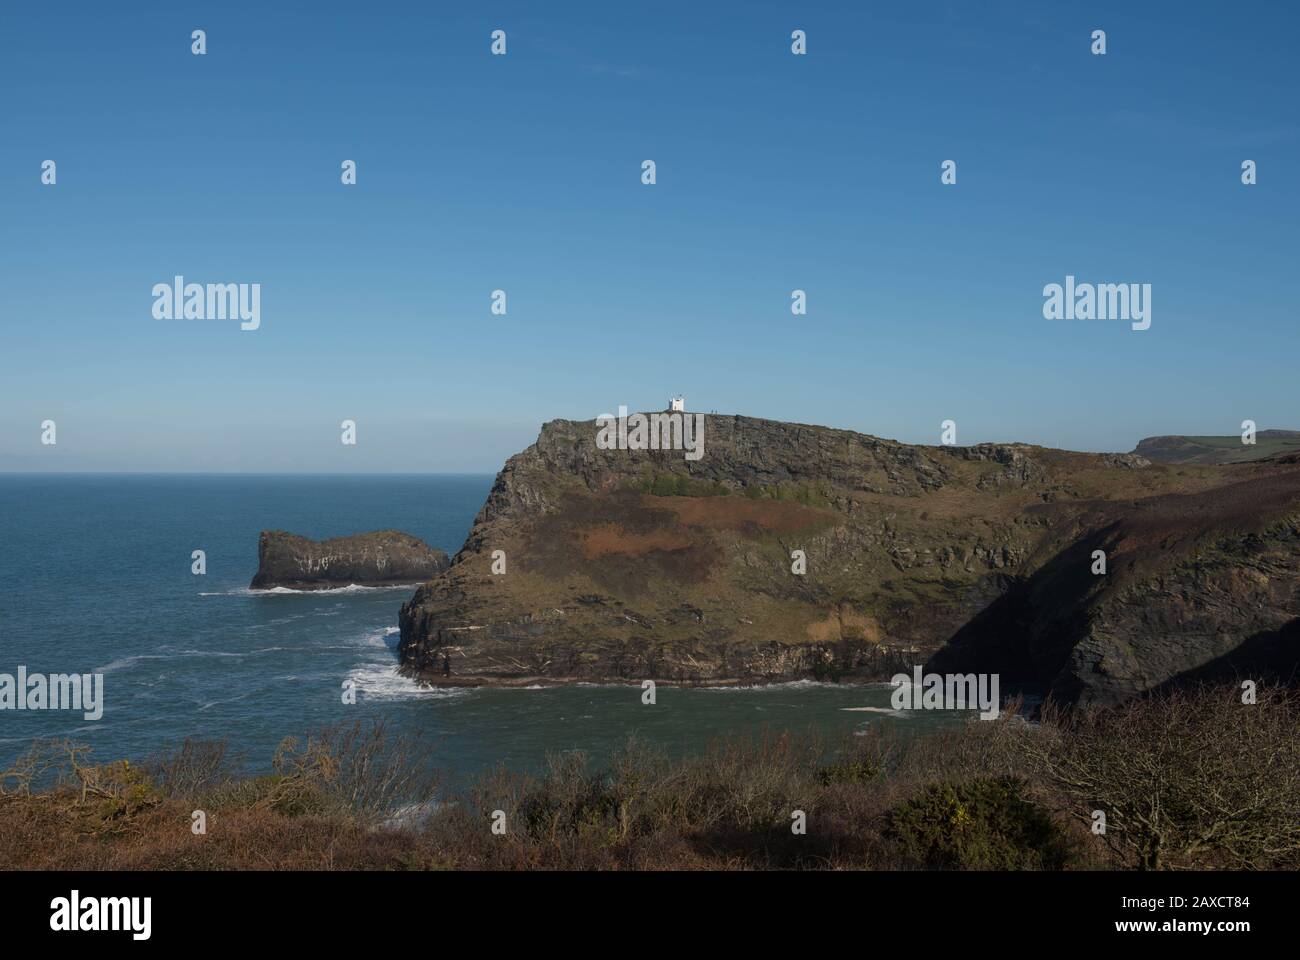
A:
<point x="95" y="576"/>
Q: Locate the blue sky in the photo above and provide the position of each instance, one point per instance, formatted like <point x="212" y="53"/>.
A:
<point x="522" y="172"/>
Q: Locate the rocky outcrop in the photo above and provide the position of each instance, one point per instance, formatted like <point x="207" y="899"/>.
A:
<point x="598" y="564"/>
<point x="385" y="557"/>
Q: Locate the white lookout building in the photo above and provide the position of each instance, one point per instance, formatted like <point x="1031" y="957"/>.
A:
<point x="677" y="403"/>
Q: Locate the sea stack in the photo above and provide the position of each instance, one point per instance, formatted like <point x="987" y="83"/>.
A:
<point x="381" y="558"/>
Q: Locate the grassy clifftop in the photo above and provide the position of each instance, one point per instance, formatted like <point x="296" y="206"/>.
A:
<point x="1215" y="450"/>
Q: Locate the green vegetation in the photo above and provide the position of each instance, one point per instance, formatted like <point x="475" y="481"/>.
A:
<point x="863" y="770"/>
<point x="983" y="824"/>
<point x="680" y="485"/>
<point x="808" y="494"/>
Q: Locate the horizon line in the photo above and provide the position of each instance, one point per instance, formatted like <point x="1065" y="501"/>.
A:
<point x="246" y="473"/>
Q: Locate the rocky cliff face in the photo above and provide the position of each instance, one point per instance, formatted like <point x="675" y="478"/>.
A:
<point x="366" y="559"/>
<point x="643" y="564"/>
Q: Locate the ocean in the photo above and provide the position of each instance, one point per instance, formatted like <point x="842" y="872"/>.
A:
<point x="96" y="571"/>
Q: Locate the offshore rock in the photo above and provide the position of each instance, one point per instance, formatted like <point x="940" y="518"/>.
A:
<point x="382" y="558"/>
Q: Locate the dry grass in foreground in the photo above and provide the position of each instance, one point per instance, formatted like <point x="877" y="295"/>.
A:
<point x="1191" y="780"/>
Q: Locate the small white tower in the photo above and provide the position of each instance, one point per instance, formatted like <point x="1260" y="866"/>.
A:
<point x="677" y="403"/>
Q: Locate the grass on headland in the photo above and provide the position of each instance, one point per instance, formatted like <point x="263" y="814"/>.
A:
<point x="1192" y="780"/>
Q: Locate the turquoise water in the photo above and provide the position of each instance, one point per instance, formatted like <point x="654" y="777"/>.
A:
<point x="97" y="578"/>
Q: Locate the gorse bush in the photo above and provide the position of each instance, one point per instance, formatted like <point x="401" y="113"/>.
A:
<point x="122" y="790"/>
<point x="984" y="824"/>
<point x="856" y="771"/>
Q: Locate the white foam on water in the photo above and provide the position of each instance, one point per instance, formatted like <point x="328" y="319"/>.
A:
<point x="214" y="703"/>
<point x="784" y="685"/>
<point x="378" y="638"/>
<point x="126" y="662"/>
<point x="289" y="592"/>
<point x="377" y="677"/>
<point x="278" y="621"/>
<point x="886" y="711"/>
<point x="385" y="683"/>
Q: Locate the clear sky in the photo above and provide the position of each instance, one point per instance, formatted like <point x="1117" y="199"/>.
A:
<point x="523" y="172"/>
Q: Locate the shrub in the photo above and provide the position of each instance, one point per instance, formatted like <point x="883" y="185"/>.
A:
<point x="1187" y="778"/>
<point x="663" y="486"/>
<point x="853" y="771"/>
<point x="196" y="767"/>
<point x="357" y="769"/>
<point x="122" y="790"/>
<point x="982" y="824"/>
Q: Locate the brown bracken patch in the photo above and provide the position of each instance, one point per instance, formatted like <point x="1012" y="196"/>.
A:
<point x="612" y="539"/>
<point x="621" y="542"/>
<point x="738" y="513"/>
